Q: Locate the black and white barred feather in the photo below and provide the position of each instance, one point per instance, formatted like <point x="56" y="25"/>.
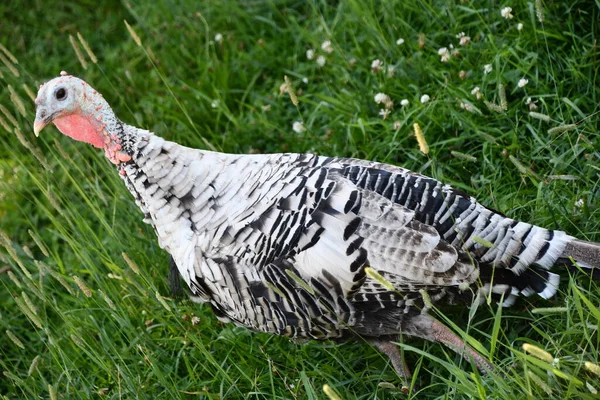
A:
<point x="279" y="243"/>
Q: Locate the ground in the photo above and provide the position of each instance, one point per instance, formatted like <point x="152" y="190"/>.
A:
<point x="510" y="117"/>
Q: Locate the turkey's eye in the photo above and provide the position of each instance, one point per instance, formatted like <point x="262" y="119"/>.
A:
<point x="61" y="94"/>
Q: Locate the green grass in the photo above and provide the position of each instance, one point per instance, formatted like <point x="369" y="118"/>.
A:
<point x="125" y="341"/>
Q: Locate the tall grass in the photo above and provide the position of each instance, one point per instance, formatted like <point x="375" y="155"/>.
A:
<point x="85" y="308"/>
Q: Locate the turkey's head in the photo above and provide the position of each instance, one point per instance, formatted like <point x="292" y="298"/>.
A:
<point x="76" y="109"/>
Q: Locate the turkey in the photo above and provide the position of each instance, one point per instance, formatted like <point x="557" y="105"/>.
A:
<point x="309" y="247"/>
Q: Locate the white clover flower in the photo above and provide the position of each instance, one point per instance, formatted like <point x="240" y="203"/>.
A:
<point x="522" y="82"/>
<point x="384" y="112"/>
<point x="506" y="12"/>
<point x="397" y="124"/>
<point x="531" y="104"/>
<point x="326" y="46"/>
<point x="385" y="99"/>
<point x="487" y="68"/>
<point x="391" y="71"/>
<point x="298" y="127"/>
<point x="215" y="103"/>
<point x="376" y="65"/>
<point x="519" y="26"/>
<point x="305" y="80"/>
<point x="477" y="93"/>
<point x="218" y="38"/>
<point x="404" y="102"/>
<point x="466" y="106"/>
<point x="425" y="99"/>
<point x="400" y="41"/>
<point x="381" y="98"/>
<point x="464" y="39"/>
<point x="321" y="61"/>
<point x="444" y="53"/>
<point x="310" y="54"/>
<point x="579" y="203"/>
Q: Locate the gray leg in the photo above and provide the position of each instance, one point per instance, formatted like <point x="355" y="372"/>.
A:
<point x="426" y="327"/>
<point x="443" y="334"/>
<point x="392" y="351"/>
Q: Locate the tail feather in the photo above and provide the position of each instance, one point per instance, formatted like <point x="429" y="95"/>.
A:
<point x="586" y="254"/>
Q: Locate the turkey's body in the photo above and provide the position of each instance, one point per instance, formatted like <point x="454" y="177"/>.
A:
<point x="279" y="243"/>
<point x="317" y="247"/>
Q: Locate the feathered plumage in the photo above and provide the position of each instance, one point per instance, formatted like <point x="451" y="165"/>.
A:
<point x="279" y="243"/>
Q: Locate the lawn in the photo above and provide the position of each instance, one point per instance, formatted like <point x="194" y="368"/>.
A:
<point x="506" y="101"/>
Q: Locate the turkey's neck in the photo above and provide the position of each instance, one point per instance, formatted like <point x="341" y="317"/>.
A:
<point x="118" y="141"/>
<point x="95" y="123"/>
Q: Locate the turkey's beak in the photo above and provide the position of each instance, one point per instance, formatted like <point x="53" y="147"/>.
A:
<point x="42" y="118"/>
<point x="38" y="126"/>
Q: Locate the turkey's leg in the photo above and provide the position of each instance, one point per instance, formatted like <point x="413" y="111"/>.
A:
<point x="426" y="327"/>
<point x="175" y="280"/>
<point x="391" y="350"/>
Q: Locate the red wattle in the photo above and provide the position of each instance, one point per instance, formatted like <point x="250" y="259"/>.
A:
<point x="80" y="128"/>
